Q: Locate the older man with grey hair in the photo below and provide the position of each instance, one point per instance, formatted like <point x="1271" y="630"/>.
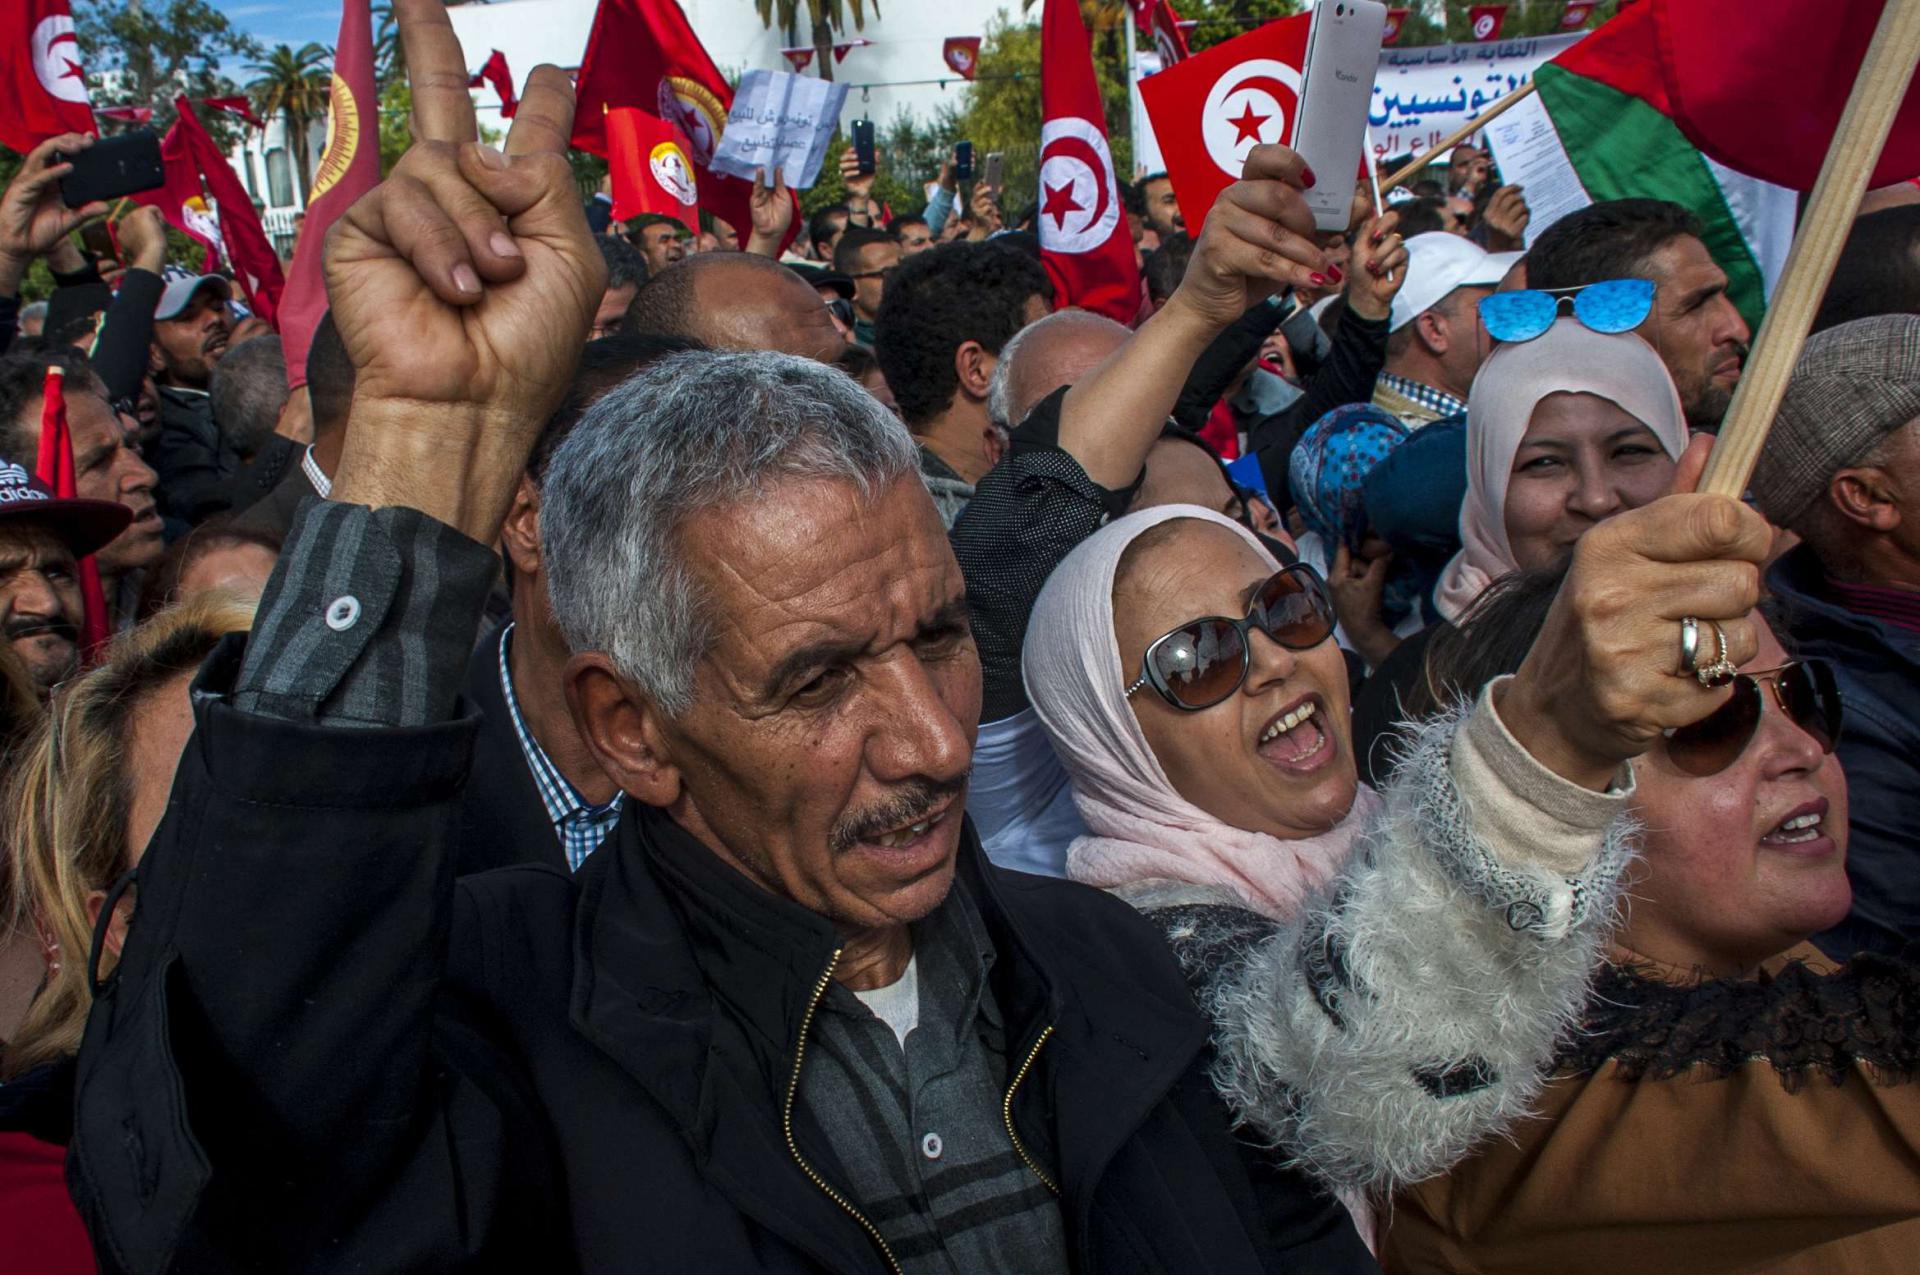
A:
<point x="788" y="1019"/>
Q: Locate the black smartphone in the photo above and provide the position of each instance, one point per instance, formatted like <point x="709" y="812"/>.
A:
<point x="114" y="166"/>
<point x="963" y="161"/>
<point x="863" y="146"/>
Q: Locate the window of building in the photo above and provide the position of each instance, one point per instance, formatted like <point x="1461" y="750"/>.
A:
<point x="279" y="178"/>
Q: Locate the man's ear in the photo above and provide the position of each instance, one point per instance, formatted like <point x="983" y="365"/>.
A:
<point x="520" y="535"/>
<point x="1865" y="497"/>
<point x="625" y="730"/>
<point x="1430" y="328"/>
<point x="974" y="366"/>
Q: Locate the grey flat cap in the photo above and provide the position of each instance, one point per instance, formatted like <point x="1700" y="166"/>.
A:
<point x="1854" y="385"/>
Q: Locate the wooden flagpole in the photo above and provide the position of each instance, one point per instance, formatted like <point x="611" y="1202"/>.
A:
<point x="1459" y="135"/>
<point x="1824" y="226"/>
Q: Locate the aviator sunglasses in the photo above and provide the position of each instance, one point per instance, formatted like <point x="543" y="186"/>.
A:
<point x="1806" y="693"/>
<point x="1204" y="661"/>
<point x="1617" y="305"/>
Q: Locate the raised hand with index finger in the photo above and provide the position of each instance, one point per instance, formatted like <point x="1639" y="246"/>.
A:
<point x="463" y="286"/>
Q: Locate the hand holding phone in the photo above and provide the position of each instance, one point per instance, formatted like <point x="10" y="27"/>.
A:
<point x="963" y="161"/>
<point x="112" y="167"/>
<point x="996" y="163"/>
<point x="1336" y="91"/>
<point x="863" y="148"/>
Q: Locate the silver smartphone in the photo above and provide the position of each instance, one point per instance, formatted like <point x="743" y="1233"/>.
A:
<point x="1336" y="92"/>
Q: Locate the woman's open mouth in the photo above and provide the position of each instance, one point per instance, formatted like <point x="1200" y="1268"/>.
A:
<point x="1297" y="739"/>
<point x="1802" y="832"/>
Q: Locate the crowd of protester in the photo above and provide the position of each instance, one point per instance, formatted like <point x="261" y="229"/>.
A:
<point x="820" y="757"/>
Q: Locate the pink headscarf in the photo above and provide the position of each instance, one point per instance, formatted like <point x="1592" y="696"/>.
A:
<point x="1569" y="358"/>
<point x="1140" y="828"/>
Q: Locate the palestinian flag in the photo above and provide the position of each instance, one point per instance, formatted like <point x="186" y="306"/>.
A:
<point x="1724" y="106"/>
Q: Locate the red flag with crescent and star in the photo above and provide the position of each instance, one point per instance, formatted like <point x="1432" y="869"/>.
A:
<point x="1576" y="13"/>
<point x="1484" y="21"/>
<point x="1213" y="108"/>
<point x="1169" y="33"/>
<point x="962" y="53"/>
<point x="349" y="168"/>
<point x="1085" y="242"/>
<point x="43" y="90"/>
<point x="644" y="54"/>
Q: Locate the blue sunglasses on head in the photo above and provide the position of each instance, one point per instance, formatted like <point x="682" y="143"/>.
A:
<point x="1617" y="305"/>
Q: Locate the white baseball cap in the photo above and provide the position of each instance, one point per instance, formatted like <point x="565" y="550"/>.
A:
<point x="181" y="289"/>
<point x="1437" y="263"/>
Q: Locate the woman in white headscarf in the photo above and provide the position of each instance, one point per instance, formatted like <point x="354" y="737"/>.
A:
<point x="1562" y="432"/>
<point x="1386" y="974"/>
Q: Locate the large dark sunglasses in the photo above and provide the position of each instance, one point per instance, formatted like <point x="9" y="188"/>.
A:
<point x="1204" y="661"/>
<point x="1806" y="692"/>
<point x="1613" y="306"/>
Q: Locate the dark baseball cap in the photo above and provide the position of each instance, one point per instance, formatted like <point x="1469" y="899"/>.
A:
<point x="820" y="277"/>
<point x="86" y="526"/>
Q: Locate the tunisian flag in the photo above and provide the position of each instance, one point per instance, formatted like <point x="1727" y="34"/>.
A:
<point x="43" y="92"/>
<point x="1716" y="68"/>
<point x="651" y="170"/>
<point x="642" y="53"/>
<point x="53" y="465"/>
<point x="349" y="168"/>
<point x="1485" y="20"/>
<point x="1085" y="243"/>
<point x="1215" y="107"/>
<point x="962" y="53"/>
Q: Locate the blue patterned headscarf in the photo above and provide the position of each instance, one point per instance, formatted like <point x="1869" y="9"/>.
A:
<point x="1329" y="463"/>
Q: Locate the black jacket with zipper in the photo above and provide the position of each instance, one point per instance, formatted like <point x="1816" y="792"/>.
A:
<point x="320" y="1053"/>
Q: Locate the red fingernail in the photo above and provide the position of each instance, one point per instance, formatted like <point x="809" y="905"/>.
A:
<point x="1306" y="176"/>
<point x="1377" y="237"/>
<point x="1333" y="273"/>
<point x="1317" y="280"/>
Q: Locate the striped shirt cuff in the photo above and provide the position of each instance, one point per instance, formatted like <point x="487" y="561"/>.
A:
<point x="368" y="619"/>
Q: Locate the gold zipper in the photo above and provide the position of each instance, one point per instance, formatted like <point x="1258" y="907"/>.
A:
<point x="786" y="1118"/>
<point x="1006" y="1111"/>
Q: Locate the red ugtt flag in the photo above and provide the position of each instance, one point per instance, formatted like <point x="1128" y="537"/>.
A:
<point x="962" y="53"/>
<point x="494" y="71"/>
<point x="651" y="170"/>
<point x="43" y="92"/>
<point x="349" y="168"/>
<point x="642" y="53"/>
<point x="1084" y="240"/>
<point x="53" y="465"/>
<point x="191" y="158"/>
<point x="1213" y="108"/>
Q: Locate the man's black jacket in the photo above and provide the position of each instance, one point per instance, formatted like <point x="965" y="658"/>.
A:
<point x="503" y="821"/>
<point x="321" y="1053"/>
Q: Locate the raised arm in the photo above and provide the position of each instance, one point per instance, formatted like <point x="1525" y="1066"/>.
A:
<point x="1258" y="240"/>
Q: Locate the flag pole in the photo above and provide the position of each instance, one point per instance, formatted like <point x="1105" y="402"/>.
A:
<point x="1459" y="135"/>
<point x="1824" y="225"/>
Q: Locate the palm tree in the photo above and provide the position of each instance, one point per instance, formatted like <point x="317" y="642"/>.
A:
<point x="824" y="17"/>
<point x="293" y="83"/>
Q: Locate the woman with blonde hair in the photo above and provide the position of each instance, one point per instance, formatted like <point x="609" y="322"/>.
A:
<point x="83" y="797"/>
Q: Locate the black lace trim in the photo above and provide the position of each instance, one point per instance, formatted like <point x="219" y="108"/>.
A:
<point x="1805" y="1025"/>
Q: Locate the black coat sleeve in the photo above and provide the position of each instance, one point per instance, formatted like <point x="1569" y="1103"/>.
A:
<point x="1359" y="352"/>
<point x="1025" y="516"/>
<point x="120" y="355"/>
<point x="277" y="1078"/>
<point x="1223" y="359"/>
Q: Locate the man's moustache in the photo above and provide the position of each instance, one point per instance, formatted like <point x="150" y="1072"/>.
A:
<point x="907" y="805"/>
<point x="19" y="630"/>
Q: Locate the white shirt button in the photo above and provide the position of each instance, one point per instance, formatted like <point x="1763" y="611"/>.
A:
<point x="931" y="1146"/>
<point x="343" y="613"/>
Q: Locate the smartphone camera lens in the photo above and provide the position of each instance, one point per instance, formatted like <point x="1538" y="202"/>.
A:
<point x="1339" y="10"/>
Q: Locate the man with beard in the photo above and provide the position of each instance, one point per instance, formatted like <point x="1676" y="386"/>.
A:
<point x="106" y="459"/>
<point x="42" y="538"/>
<point x="1693" y="323"/>
<point x="193" y="456"/>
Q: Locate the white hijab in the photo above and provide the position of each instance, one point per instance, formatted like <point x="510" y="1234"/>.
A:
<point x="1569" y="358"/>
